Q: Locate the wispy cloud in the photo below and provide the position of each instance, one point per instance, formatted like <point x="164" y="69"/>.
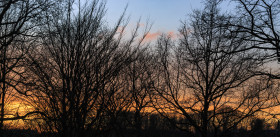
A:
<point x="141" y="24"/>
<point x="152" y="36"/>
<point x="172" y="34"/>
<point x="120" y="29"/>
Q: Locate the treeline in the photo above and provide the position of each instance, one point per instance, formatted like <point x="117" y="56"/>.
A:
<point x="77" y="76"/>
<point x="154" y="125"/>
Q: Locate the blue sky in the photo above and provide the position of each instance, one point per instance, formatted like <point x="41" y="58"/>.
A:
<point x="164" y="14"/>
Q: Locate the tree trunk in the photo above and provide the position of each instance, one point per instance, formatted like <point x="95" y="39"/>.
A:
<point x="2" y="95"/>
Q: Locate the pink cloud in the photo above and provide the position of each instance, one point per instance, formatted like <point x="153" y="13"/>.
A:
<point x="152" y="36"/>
<point x="171" y="34"/>
<point x="120" y="29"/>
<point x="141" y="24"/>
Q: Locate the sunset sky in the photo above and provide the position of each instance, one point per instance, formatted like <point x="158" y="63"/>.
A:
<point x="122" y="68"/>
<point x="164" y="14"/>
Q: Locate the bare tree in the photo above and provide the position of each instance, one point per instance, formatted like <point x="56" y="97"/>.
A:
<point x="202" y="83"/>
<point x="260" y="20"/>
<point x="131" y="100"/>
<point x="139" y="77"/>
<point x="74" y="71"/>
<point x="117" y="109"/>
<point x="18" y="18"/>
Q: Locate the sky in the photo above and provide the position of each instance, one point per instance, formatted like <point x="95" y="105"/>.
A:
<point x="165" y="15"/>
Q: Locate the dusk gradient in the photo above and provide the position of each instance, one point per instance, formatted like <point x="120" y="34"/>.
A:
<point x="165" y="15"/>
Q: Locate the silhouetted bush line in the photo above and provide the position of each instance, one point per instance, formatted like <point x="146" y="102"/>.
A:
<point x="162" y="129"/>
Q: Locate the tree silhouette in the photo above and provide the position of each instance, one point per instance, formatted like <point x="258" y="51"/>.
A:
<point x="139" y="81"/>
<point x="198" y="80"/>
<point x="18" y="18"/>
<point x="75" y="69"/>
<point x="257" y="127"/>
<point x="259" y="19"/>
